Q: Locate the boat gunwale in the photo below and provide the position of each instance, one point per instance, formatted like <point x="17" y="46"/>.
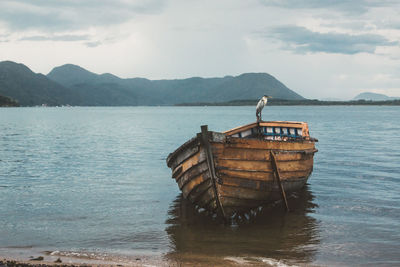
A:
<point x="290" y="124"/>
<point x="173" y="155"/>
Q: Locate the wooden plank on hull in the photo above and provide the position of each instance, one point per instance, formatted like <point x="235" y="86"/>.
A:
<point x="242" y="193"/>
<point x="233" y="153"/>
<point x="301" y="165"/>
<point x="244" y="165"/>
<point x="177" y="171"/>
<point x="195" y="181"/>
<point x="251" y="176"/>
<point x="240" y="182"/>
<point x="266" y="166"/>
<point x="259" y="175"/>
<point x="192" y="172"/>
<point x="194" y="160"/>
<point x="261" y="185"/>
<point x="190" y="162"/>
<point x="252" y="143"/>
<point x="198" y="191"/>
<point x="248" y="183"/>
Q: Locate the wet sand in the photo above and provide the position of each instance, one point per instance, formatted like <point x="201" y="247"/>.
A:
<point x="48" y="259"/>
<point x="181" y="260"/>
<point x="72" y="262"/>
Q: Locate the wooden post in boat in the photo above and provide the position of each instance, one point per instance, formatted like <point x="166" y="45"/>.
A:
<point x="210" y="163"/>
<point x="278" y="177"/>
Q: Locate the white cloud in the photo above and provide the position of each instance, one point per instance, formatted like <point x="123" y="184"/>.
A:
<point x="303" y="40"/>
<point x="61" y="15"/>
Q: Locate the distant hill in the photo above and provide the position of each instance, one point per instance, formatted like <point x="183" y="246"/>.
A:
<point x="140" y="91"/>
<point x="18" y="82"/>
<point x="69" y="75"/>
<point x="374" y="97"/>
<point x="74" y="85"/>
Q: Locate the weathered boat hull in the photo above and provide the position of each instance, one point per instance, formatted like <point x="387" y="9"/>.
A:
<point x="228" y="175"/>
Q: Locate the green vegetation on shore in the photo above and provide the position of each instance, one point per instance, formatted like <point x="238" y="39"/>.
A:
<point x="284" y="102"/>
<point x="7" y="102"/>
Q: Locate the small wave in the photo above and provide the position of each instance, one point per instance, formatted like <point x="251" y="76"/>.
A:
<point x="274" y="262"/>
<point x="252" y="260"/>
<point x="82" y="255"/>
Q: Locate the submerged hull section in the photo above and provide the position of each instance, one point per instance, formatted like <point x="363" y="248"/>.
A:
<point x="227" y="175"/>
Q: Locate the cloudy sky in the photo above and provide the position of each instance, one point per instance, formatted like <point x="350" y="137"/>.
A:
<point x="319" y="48"/>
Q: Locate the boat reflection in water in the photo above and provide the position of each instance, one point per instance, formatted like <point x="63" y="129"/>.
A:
<point x="270" y="236"/>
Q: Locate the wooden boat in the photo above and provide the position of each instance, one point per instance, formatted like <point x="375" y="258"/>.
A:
<point x="235" y="171"/>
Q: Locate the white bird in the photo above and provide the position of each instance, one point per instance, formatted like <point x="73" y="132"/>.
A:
<point x="260" y="105"/>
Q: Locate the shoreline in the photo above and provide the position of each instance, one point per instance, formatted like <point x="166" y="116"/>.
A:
<point x="53" y="259"/>
<point x="29" y="257"/>
<point x="77" y="262"/>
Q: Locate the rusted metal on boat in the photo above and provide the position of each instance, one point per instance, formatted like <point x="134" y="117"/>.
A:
<point x="234" y="171"/>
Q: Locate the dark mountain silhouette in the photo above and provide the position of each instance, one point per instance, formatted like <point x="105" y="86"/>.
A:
<point x="167" y="92"/>
<point x="74" y="85"/>
<point x="18" y="82"/>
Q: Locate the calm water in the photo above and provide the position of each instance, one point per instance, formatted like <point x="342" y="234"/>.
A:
<point x="95" y="180"/>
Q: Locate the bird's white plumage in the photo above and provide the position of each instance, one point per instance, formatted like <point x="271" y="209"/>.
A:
<point x="260" y="105"/>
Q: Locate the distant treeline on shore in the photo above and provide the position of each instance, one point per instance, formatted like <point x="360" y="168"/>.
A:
<point x="8" y="102"/>
<point x="306" y="102"/>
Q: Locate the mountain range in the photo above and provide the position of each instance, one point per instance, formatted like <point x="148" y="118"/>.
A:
<point x="374" y="97"/>
<point x="73" y="85"/>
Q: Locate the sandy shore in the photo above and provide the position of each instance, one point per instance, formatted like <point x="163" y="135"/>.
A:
<point x="9" y="262"/>
<point x="30" y="257"/>
<point x="69" y="261"/>
<point x="172" y="260"/>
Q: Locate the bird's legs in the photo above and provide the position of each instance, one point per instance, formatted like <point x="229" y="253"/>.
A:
<point x="258" y="117"/>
